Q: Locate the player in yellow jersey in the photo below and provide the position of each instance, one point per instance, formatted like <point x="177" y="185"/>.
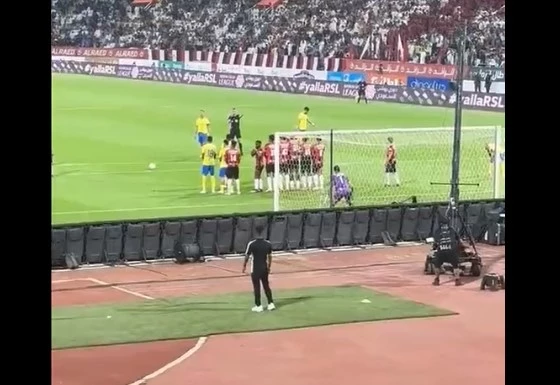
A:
<point x="303" y="120"/>
<point x="208" y="156"/>
<point x="223" y="165"/>
<point x="492" y="150"/>
<point x="202" y="126"/>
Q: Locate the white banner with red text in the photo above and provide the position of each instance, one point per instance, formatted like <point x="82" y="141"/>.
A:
<point x="209" y="67"/>
<point x="266" y="71"/>
<point x="67" y="58"/>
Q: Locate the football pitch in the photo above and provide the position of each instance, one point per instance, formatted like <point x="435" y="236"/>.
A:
<point x="106" y="131"/>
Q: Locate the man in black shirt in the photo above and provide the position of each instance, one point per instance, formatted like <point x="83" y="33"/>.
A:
<point x="362" y="91"/>
<point x="488" y="82"/>
<point x="477" y="81"/>
<point x="234" y="122"/>
<point x="259" y="251"/>
<point x="448" y="248"/>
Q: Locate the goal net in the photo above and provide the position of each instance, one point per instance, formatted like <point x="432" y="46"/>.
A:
<point x="308" y="166"/>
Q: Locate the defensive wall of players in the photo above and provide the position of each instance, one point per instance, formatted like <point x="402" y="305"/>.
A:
<point x="107" y="243"/>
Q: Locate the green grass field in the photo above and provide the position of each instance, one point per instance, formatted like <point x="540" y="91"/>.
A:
<point x="106" y="131"/>
<point x="203" y="316"/>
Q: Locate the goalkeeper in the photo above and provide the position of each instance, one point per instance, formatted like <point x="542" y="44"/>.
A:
<point x="341" y="187"/>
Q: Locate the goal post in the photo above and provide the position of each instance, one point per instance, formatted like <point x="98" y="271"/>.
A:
<point x="422" y="169"/>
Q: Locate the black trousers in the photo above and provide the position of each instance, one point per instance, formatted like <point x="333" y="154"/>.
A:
<point x="258" y="277"/>
<point x="446" y="256"/>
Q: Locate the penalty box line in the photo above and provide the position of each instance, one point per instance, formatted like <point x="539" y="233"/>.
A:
<point x="107" y="284"/>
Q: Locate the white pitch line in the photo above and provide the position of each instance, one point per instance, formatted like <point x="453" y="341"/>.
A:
<point x="150" y="208"/>
<point x="134" y="293"/>
<point x="201" y="341"/>
<point x="124" y="163"/>
<point x="197" y="163"/>
<point x="97" y="173"/>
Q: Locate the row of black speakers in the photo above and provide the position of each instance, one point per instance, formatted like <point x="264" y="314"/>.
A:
<point x="230" y="235"/>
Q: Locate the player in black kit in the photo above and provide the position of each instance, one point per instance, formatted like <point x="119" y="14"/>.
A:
<point x="362" y="91"/>
<point x="234" y="122"/>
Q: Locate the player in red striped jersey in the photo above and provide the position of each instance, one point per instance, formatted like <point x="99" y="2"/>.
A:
<point x="295" y="158"/>
<point x="318" y="154"/>
<point x="306" y="164"/>
<point x="269" y="163"/>
<point x="233" y="158"/>
<point x="391" y="175"/>
<point x="284" y="163"/>
<point x="258" y="154"/>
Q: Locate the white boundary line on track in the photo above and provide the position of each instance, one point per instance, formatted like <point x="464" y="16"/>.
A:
<point x="66" y="280"/>
<point x="107" y="284"/>
<point x="201" y="341"/>
<point x="112" y="286"/>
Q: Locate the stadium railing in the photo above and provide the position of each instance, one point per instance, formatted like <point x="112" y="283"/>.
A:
<point x="225" y="236"/>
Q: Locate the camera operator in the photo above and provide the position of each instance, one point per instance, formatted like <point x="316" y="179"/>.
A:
<point x="448" y="248"/>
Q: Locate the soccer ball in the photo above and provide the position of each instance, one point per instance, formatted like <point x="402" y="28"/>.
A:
<point x="152" y="166"/>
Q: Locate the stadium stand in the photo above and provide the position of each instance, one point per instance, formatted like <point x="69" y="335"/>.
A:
<point x="406" y="30"/>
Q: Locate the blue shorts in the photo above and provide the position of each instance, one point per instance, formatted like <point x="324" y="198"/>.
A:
<point x="201" y="138"/>
<point x="222" y="172"/>
<point x="207" y="170"/>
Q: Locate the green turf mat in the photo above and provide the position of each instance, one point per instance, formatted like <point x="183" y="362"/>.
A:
<point x="202" y="316"/>
<point x="106" y="131"/>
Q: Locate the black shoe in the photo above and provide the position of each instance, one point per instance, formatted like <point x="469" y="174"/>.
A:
<point x="436" y="282"/>
<point x="458" y="282"/>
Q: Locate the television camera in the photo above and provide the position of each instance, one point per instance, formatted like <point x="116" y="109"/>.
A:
<point x="470" y="261"/>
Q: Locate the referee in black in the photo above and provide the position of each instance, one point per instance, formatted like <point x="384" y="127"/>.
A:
<point x="259" y="251"/>
<point x="234" y="122"/>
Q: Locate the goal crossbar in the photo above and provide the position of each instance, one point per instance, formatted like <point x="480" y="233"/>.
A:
<point x="326" y="133"/>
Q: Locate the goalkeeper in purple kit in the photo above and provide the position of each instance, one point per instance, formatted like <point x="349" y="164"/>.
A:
<point x="341" y="187"/>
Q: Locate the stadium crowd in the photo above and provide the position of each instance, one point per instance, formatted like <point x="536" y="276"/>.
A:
<point x="372" y="28"/>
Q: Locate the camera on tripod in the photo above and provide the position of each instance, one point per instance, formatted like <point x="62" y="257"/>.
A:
<point x="470" y="261"/>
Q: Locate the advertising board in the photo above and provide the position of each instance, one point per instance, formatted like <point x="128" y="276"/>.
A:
<point x="386" y="93"/>
<point x="170" y="64"/>
<point x="138" y="62"/>
<point x="345" y="77"/>
<point x="197" y="66"/>
<point x="394" y="79"/>
<point x="67" y="58"/>
<point x="406" y="69"/>
<point x="497" y="74"/>
<point x="428" y="83"/>
<point x="130" y="53"/>
<point x="270" y="71"/>
<point x="495" y="87"/>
